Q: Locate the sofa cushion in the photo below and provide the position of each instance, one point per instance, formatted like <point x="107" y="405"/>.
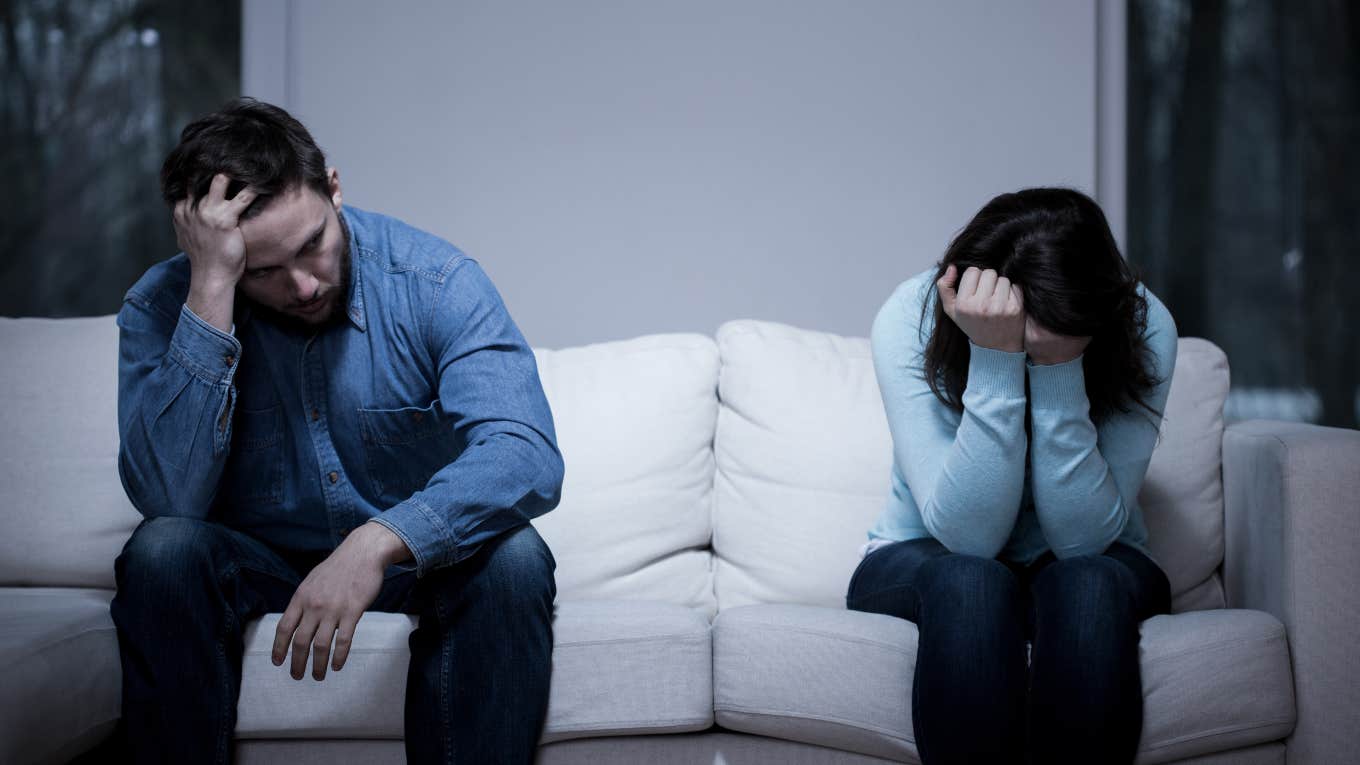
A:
<point x="618" y="667"/>
<point x="1182" y="495"/>
<point x="803" y="455"/>
<point x="65" y="513"/>
<point x="62" y="681"/>
<point x="803" y="459"/>
<point x="635" y="424"/>
<point x="1212" y="680"/>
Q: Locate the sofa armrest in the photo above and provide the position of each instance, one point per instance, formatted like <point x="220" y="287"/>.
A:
<point x="1292" y="549"/>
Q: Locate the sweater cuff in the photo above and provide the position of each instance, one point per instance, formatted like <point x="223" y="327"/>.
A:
<point x="996" y="374"/>
<point x="1058" y="386"/>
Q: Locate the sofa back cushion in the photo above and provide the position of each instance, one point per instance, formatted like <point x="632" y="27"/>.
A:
<point x="65" y="516"/>
<point x="803" y="459"/>
<point x="634" y="419"/>
<point x="635" y="424"/>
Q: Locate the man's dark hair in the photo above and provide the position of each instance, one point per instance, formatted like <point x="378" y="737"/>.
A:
<point x="255" y="144"/>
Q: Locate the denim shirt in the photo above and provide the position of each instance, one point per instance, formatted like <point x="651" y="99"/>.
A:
<point x="422" y="409"/>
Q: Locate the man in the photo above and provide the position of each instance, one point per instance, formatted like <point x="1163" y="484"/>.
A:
<point x="325" y="411"/>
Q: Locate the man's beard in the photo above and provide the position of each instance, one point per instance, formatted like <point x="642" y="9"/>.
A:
<point x="339" y="297"/>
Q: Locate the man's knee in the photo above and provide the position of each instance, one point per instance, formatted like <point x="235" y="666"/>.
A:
<point x="515" y="570"/>
<point x="164" y="550"/>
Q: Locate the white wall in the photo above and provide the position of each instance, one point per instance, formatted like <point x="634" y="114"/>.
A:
<point x="621" y="167"/>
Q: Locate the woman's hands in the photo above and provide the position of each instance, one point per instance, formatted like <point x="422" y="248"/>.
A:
<point x="986" y="306"/>
<point x="991" y="312"/>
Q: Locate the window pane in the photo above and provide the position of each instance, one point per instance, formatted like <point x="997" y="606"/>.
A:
<point x="92" y="97"/>
<point x="1243" y="156"/>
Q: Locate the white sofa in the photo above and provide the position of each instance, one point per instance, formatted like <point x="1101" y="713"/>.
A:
<point x="716" y="493"/>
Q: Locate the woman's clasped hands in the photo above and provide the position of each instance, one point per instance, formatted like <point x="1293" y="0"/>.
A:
<point x="990" y="310"/>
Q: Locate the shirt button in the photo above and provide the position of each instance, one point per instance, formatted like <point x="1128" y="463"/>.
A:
<point x="418" y="416"/>
<point x="315" y="415"/>
<point x="334" y="476"/>
<point x="230" y="360"/>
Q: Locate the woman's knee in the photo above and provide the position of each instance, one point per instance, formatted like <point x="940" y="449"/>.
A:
<point x="968" y="581"/>
<point x="1085" y="590"/>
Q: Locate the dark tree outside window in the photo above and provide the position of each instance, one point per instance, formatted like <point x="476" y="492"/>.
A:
<point x="1244" y="191"/>
<point x="93" y="94"/>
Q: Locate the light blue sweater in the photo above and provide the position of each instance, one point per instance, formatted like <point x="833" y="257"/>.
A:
<point x="969" y="479"/>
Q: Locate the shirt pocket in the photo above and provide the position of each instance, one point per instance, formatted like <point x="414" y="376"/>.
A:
<point x="254" y="471"/>
<point x="404" y="448"/>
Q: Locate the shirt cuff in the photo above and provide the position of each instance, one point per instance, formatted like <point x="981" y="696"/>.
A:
<point x="1058" y="386"/>
<point x="206" y="351"/>
<point x="423" y="531"/>
<point x="996" y="374"/>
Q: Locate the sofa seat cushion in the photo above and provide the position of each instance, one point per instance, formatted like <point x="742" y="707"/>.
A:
<point x="619" y="667"/>
<point x="62" y="686"/>
<point x="1212" y="680"/>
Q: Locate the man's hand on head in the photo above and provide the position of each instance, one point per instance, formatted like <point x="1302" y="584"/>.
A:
<point x="331" y="599"/>
<point x="208" y="231"/>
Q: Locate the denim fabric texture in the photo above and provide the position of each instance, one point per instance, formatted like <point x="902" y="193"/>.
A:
<point x="481" y="657"/>
<point x="976" y="696"/>
<point x="422" y="410"/>
<point x="253" y="453"/>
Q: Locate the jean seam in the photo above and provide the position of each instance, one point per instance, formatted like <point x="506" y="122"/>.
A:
<point x="445" y="714"/>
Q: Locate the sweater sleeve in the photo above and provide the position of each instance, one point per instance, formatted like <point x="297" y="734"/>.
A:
<point x="965" y="473"/>
<point x="1085" y="482"/>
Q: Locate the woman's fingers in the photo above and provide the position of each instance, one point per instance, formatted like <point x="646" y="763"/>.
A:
<point x="1001" y="295"/>
<point x="946" y="288"/>
<point x="986" y="285"/>
<point x="968" y="283"/>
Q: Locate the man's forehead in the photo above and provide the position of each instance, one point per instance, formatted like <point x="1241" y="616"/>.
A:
<point x="284" y="225"/>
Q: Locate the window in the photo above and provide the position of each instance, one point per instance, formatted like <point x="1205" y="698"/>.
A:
<point x="92" y="97"/>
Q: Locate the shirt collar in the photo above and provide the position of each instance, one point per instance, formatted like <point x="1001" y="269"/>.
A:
<point x="355" y="311"/>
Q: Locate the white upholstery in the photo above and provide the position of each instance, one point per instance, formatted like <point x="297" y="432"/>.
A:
<point x="701" y="477"/>
<point x="1212" y="680"/>
<point x="618" y="667"/>
<point x="66" y="516"/>
<point x="60" y="678"/>
<point x="803" y="456"/>
<point x="634" y="422"/>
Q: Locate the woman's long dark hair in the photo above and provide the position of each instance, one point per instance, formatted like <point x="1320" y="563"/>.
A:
<point x="1056" y="246"/>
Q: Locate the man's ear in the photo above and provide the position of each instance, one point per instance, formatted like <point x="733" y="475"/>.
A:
<point x="333" y="181"/>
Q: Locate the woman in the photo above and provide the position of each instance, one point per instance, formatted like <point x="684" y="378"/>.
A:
<point x="1024" y="380"/>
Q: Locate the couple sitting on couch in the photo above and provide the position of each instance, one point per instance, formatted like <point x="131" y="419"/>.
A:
<point x="325" y="411"/>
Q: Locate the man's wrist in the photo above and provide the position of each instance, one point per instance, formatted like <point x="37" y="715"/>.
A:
<point x="389" y="547"/>
<point x="212" y="300"/>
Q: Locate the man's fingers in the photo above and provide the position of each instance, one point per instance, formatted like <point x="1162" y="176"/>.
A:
<point x="1016" y="301"/>
<point x="284" y="633"/>
<point x="217" y="190"/>
<point x="321" y="649"/>
<point x="302" y="646"/>
<point x="243" y="199"/>
<point x="344" y="638"/>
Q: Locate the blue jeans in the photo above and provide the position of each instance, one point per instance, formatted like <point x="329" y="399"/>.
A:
<point x="975" y="697"/>
<point x="476" y="688"/>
